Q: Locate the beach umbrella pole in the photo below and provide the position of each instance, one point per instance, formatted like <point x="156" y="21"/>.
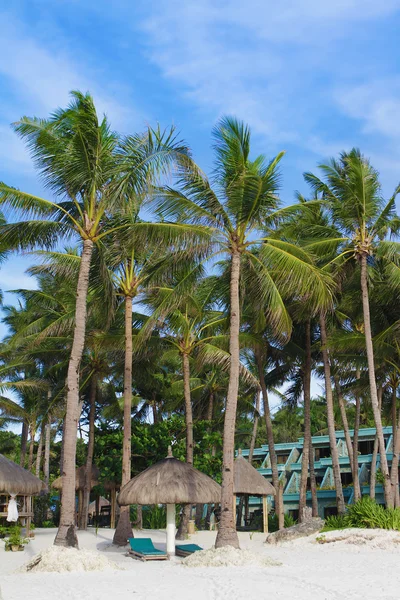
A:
<point x="171" y="529"/>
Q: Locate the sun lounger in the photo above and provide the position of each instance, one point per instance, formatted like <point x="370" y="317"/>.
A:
<point x="187" y="549"/>
<point x="144" y="549"/>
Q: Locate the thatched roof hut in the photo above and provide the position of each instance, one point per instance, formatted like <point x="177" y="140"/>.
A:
<point x="249" y="481"/>
<point x="16" y="480"/>
<point x="170" y="481"/>
<point x="80" y="476"/>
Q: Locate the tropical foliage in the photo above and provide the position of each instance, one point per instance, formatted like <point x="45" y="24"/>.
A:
<point x="173" y="314"/>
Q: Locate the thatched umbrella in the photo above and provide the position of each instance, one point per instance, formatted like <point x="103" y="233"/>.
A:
<point x="16" y="480"/>
<point x="249" y="482"/>
<point x="170" y="482"/>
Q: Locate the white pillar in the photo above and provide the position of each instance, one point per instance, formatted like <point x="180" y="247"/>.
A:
<point x="171" y="529"/>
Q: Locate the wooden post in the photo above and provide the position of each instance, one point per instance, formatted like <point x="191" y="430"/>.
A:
<point x="29" y="518"/>
<point x="265" y="514"/>
<point x="234" y="508"/>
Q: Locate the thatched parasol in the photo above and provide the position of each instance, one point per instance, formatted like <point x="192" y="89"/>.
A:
<point x="249" y="481"/>
<point x="16" y="480"/>
<point x="170" y="482"/>
<point x="80" y="477"/>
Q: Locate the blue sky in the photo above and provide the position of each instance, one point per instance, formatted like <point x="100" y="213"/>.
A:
<point x="310" y="77"/>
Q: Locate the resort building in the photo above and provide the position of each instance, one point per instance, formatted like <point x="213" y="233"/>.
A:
<point x="289" y="458"/>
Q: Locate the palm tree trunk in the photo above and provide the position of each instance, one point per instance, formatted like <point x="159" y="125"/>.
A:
<point x="343" y="414"/>
<point x="31" y="446"/>
<point x="331" y="419"/>
<point x="183" y="525"/>
<point x="123" y="530"/>
<point x="39" y="454"/>
<point x="372" y="481"/>
<point x="210" y="408"/>
<point x="90" y="452"/>
<point x="356" y="480"/>
<point x="372" y="382"/>
<point x="307" y="424"/>
<point x="227" y="535"/>
<point x="313" y="481"/>
<point x="24" y="443"/>
<point x="46" y="466"/>
<point x="255" y="427"/>
<point x="270" y="433"/>
<point x="66" y="535"/>
<point x="394" y="473"/>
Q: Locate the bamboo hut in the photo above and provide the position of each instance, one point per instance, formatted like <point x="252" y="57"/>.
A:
<point x="80" y="479"/>
<point x="170" y="482"/>
<point x="16" y="481"/>
<point x="249" y="482"/>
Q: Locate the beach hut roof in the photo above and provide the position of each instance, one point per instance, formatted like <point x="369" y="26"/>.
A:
<point x="249" y="481"/>
<point x="16" y="480"/>
<point x="80" y="476"/>
<point x="170" y="481"/>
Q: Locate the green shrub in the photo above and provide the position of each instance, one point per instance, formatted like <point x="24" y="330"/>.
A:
<point x="273" y="522"/>
<point x="365" y="513"/>
<point x="335" y="522"/>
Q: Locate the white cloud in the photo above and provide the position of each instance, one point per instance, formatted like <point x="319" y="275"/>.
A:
<point x="37" y="77"/>
<point x="375" y="103"/>
<point x="257" y="59"/>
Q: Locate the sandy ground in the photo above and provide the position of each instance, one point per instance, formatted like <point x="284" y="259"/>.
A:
<point x="365" y="568"/>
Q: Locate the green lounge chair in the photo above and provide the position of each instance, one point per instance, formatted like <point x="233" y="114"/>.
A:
<point x="144" y="549"/>
<point x="187" y="549"/>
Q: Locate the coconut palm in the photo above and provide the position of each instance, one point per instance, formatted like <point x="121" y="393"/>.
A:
<point x="351" y="187"/>
<point x="236" y="206"/>
<point x="91" y="172"/>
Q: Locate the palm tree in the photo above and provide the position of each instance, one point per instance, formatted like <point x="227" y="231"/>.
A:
<point x="236" y="206"/>
<point x="91" y="171"/>
<point x="353" y="191"/>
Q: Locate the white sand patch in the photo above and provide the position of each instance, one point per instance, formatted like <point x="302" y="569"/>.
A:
<point x="60" y="560"/>
<point x="228" y="557"/>
<point x="373" y="538"/>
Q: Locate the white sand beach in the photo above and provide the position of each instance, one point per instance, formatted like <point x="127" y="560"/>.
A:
<point x="364" y="564"/>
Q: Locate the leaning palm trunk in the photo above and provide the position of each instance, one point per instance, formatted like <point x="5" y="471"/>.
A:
<point x="66" y="535"/>
<point x="227" y="535"/>
<point x="307" y="423"/>
<point x="183" y="525"/>
<point x="90" y="452"/>
<point x="372" y="383"/>
<point x="123" y="530"/>
<point x="331" y="419"/>
<point x="270" y="436"/>
<point x="39" y="454"/>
